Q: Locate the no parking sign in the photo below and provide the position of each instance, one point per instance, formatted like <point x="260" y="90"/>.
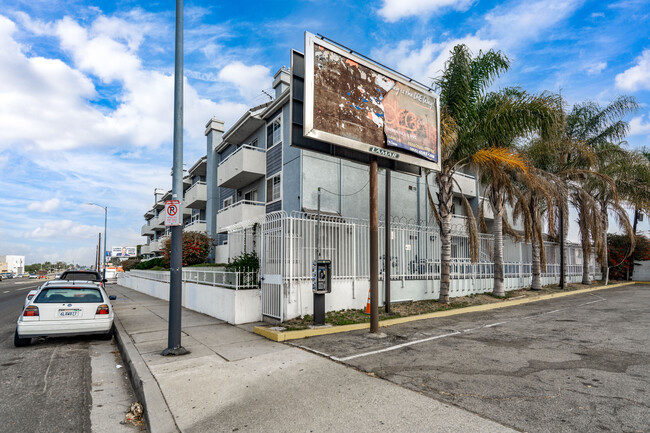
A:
<point x="173" y="213"/>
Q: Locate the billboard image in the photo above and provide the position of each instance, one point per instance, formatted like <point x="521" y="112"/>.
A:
<point x="352" y="102"/>
<point x="124" y="252"/>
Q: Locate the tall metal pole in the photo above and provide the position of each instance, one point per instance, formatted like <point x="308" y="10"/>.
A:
<point x="387" y="236"/>
<point x="374" y="248"/>
<point x="176" y="254"/>
<point x="319" y="298"/>
<point x="105" y="220"/>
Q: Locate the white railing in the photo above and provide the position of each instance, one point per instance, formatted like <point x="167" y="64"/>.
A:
<point x="196" y="221"/>
<point x="240" y="148"/>
<point x="236" y="280"/>
<point x="200" y="182"/>
<point x="240" y="203"/>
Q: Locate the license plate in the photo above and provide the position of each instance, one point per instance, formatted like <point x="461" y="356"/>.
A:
<point x="70" y="313"/>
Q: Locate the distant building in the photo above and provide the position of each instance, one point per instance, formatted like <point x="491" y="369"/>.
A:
<point x="13" y="264"/>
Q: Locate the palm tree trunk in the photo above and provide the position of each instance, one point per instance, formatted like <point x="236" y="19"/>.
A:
<point x="536" y="257"/>
<point x="498" y="289"/>
<point x="604" y="269"/>
<point x="586" y="247"/>
<point x="445" y="202"/>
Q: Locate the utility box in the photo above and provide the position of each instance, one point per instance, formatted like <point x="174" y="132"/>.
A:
<point x="322" y="276"/>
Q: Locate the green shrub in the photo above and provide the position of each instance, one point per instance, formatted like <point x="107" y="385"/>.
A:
<point x="245" y="262"/>
<point x="158" y="262"/>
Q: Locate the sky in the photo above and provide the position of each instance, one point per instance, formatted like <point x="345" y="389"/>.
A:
<point x="86" y="87"/>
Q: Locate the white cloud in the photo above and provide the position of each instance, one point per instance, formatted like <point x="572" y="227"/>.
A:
<point x="596" y="68"/>
<point x="515" y="24"/>
<point x="426" y="61"/>
<point x="394" y="10"/>
<point x="249" y="80"/>
<point x="638" y="76"/>
<point x="64" y="229"/>
<point x="638" y="126"/>
<point x="45" y="206"/>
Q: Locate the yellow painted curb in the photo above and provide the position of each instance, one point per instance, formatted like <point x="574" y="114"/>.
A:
<point x="277" y="335"/>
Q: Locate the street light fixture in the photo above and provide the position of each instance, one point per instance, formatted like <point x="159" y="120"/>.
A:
<point x="105" y="219"/>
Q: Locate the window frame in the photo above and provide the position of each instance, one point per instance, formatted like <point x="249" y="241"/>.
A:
<point x="277" y="118"/>
<point x="223" y="203"/>
<point x="268" y="199"/>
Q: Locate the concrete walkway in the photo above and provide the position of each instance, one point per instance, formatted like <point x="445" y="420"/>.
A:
<point x="234" y="380"/>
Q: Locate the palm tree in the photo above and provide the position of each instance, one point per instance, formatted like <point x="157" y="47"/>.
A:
<point x="601" y="129"/>
<point x="471" y="122"/>
<point x="526" y="115"/>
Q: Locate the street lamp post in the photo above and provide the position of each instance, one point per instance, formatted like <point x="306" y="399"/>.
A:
<point x="105" y="220"/>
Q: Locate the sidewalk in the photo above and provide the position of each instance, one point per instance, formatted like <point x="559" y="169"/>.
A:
<point x="235" y="380"/>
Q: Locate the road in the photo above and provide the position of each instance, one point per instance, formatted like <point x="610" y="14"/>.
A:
<point x="58" y="384"/>
<point x="580" y="363"/>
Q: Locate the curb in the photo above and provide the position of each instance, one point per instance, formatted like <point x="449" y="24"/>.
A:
<point x="156" y="412"/>
<point x="280" y="336"/>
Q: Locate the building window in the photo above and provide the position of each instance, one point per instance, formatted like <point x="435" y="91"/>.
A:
<point x="253" y="143"/>
<point x="274" y="133"/>
<point x="251" y="195"/>
<point x="227" y="202"/>
<point x="273" y="189"/>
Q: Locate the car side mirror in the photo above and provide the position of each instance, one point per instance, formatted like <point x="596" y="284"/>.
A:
<point x="104" y="280"/>
<point x="112" y="298"/>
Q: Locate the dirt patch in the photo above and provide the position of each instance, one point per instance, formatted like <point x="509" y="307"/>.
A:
<point x="416" y="308"/>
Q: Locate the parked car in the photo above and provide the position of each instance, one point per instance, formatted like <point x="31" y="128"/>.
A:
<point x="64" y="308"/>
<point x="30" y="296"/>
<point x="32" y="276"/>
<point x="93" y="276"/>
<point x="7" y="275"/>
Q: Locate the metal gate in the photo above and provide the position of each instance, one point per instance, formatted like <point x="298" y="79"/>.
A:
<point x="272" y="264"/>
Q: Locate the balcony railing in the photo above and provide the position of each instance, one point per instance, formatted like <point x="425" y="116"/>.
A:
<point x="195" y="226"/>
<point x="147" y="228"/>
<point x="158" y="222"/>
<point x="241" y="211"/>
<point x="242" y="167"/>
<point x="196" y="195"/>
<point x="467" y="183"/>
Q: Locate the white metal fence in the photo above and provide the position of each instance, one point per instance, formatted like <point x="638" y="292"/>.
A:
<point x="286" y="245"/>
<point x="228" y="279"/>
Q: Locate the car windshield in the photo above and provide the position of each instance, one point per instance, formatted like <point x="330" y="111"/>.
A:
<point x="81" y="276"/>
<point x="68" y="294"/>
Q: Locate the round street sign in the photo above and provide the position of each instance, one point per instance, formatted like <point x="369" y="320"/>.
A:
<point x="173" y="213"/>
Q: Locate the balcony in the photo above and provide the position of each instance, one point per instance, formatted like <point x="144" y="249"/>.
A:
<point x="195" y="226"/>
<point x="196" y="196"/>
<point x="147" y="229"/>
<point x="467" y="183"/>
<point x="242" y="167"/>
<point x="145" y="249"/>
<point x="241" y="211"/>
<point x="154" y="247"/>
<point x="157" y="222"/>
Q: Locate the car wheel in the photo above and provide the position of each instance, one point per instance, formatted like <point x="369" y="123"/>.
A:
<point x="108" y="335"/>
<point x="21" y="342"/>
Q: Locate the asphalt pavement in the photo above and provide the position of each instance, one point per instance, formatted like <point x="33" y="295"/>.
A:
<point x="58" y="384"/>
<point x="580" y="363"/>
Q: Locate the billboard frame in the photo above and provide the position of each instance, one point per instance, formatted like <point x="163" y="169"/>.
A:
<point x="386" y="152"/>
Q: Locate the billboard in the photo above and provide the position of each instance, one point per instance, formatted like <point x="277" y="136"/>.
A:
<point x="352" y="102"/>
<point x="124" y="252"/>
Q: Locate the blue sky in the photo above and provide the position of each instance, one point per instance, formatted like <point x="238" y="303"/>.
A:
<point x="86" y="87"/>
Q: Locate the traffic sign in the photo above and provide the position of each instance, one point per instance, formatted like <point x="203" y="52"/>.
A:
<point x="173" y="213"/>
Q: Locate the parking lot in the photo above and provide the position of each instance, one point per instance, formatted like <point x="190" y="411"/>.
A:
<point x="579" y="363"/>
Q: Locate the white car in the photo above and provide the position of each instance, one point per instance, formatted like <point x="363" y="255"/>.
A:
<point x="63" y="308"/>
<point x="30" y="296"/>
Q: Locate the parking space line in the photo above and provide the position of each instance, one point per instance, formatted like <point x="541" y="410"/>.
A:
<point x="451" y="334"/>
<point x="6" y="291"/>
<point x="399" y="346"/>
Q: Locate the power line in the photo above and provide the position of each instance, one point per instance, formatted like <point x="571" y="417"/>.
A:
<point x="346" y="195"/>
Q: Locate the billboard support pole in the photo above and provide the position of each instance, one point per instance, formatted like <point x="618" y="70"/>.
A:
<point x="387" y="255"/>
<point x="374" y="247"/>
<point x="319" y="298"/>
<point x="176" y="252"/>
